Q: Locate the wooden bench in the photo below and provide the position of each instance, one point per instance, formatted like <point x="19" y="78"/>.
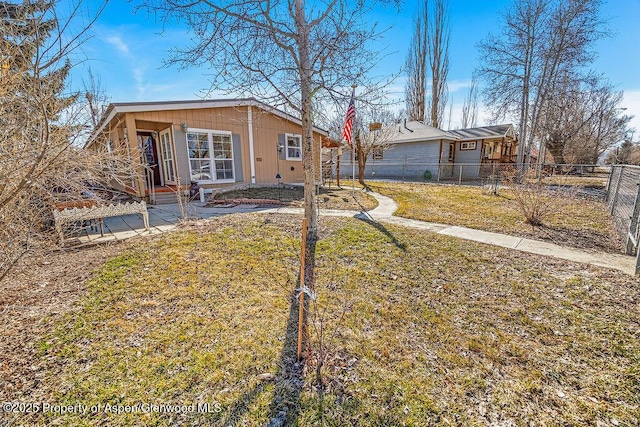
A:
<point x="90" y="210"/>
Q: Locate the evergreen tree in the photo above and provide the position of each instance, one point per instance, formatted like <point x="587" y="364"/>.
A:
<point x="39" y="124"/>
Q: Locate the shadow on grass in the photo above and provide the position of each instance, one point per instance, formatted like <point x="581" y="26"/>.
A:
<point x="384" y="230"/>
<point x="288" y="381"/>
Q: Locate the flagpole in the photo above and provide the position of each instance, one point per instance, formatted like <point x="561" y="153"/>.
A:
<point x="353" y="169"/>
<point x="353" y="149"/>
<point x="347" y="134"/>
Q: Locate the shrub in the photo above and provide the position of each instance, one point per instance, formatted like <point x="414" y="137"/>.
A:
<point x="535" y="200"/>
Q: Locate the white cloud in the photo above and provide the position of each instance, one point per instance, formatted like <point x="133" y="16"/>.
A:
<point x="457" y="85"/>
<point x="120" y="45"/>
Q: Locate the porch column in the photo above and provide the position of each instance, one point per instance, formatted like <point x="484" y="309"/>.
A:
<point x="132" y="137"/>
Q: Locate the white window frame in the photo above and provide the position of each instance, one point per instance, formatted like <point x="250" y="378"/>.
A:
<point x="212" y="170"/>
<point x="286" y="146"/>
<point x="469" y="145"/>
<point x="377" y="152"/>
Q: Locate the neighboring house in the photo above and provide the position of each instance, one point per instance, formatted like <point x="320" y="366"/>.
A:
<point x="213" y="143"/>
<point x="408" y="153"/>
<point x="418" y="149"/>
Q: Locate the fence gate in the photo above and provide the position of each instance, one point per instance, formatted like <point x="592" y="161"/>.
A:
<point x="623" y="198"/>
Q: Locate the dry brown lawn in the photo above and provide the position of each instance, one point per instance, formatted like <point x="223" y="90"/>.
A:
<point x="423" y="330"/>
<point x="575" y="221"/>
<point x="328" y="198"/>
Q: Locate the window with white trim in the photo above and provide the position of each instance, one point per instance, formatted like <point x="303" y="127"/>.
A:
<point x="470" y="145"/>
<point x="293" y="147"/>
<point x="210" y="155"/>
<point x="378" y="152"/>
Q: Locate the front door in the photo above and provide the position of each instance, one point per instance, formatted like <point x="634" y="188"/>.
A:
<point x="166" y="155"/>
<point x="150" y="155"/>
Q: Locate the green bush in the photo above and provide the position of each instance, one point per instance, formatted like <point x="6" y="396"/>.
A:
<point x="427" y="175"/>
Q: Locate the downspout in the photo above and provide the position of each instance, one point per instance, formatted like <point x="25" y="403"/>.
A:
<point x="251" y="154"/>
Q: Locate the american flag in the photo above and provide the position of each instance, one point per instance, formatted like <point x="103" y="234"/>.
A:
<point x="348" y="121"/>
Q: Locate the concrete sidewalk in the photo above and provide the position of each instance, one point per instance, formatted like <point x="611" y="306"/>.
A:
<point x="386" y="208"/>
<point x="161" y="218"/>
<point x="166" y="217"/>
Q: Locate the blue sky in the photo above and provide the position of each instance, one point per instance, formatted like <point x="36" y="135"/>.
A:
<point x="128" y="47"/>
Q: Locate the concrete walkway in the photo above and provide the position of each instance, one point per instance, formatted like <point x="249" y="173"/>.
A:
<point x="386" y="208"/>
<point x="165" y="217"/>
<point x="161" y="218"/>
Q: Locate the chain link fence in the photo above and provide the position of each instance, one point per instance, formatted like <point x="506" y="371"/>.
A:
<point x="413" y="170"/>
<point x="623" y="198"/>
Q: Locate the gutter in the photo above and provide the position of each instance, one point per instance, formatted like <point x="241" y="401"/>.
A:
<point x="136" y="107"/>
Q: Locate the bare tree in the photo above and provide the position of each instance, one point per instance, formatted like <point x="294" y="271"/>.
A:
<point x="470" y="106"/>
<point x="40" y="126"/>
<point x="583" y="120"/>
<point x="429" y="53"/>
<point x="607" y="125"/>
<point x="372" y="129"/>
<point x="541" y="41"/>
<point x="288" y="53"/>
<point x="628" y="153"/>
<point x="416" y="64"/>
<point x="438" y="47"/>
<point x="373" y="134"/>
<point x="96" y="98"/>
<point x="508" y="65"/>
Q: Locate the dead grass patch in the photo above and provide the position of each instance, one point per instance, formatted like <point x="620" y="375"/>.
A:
<point x="598" y="181"/>
<point x="574" y="221"/>
<point x="328" y="198"/>
<point x="437" y="333"/>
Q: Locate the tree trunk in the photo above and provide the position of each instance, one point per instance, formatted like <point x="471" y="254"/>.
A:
<point x="308" y="153"/>
<point x="556" y="149"/>
<point x="361" y="159"/>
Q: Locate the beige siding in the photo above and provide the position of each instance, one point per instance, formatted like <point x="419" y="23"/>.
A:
<point x="266" y="129"/>
<point x="227" y="119"/>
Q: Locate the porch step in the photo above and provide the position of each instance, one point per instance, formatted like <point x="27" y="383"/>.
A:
<point x="165" y="198"/>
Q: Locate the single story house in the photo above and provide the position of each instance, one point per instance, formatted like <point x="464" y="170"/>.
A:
<point x="418" y="150"/>
<point x="405" y="151"/>
<point x="213" y="143"/>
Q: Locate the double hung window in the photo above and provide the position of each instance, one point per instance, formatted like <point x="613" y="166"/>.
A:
<point x="210" y="155"/>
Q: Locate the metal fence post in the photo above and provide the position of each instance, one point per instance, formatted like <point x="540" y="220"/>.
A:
<point x="460" y="176"/>
<point x="609" y="182"/>
<point x="632" y="236"/>
<point x="615" y="194"/>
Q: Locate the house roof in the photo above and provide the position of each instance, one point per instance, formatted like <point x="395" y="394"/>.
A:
<point x="136" y="107"/>
<point x="414" y="131"/>
<point x="485" y="132"/>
